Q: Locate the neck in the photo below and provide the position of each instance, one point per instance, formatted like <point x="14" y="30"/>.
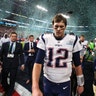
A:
<point x="58" y="38"/>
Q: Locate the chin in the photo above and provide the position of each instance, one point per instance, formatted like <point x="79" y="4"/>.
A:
<point x="58" y="36"/>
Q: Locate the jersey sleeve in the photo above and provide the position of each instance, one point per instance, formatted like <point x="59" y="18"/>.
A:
<point x="41" y="43"/>
<point x="77" y="47"/>
<point x="40" y="58"/>
<point x="76" y="58"/>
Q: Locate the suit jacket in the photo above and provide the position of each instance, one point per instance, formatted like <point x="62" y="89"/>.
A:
<point x="11" y="62"/>
<point x="26" y="48"/>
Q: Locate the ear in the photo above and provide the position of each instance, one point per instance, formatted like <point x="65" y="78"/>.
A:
<point x="52" y="26"/>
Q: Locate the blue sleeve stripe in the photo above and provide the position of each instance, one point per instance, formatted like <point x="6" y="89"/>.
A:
<point x="76" y="58"/>
<point x="42" y="38"/>
<point x="75" y="41"/>
<point x="40" y="56"/>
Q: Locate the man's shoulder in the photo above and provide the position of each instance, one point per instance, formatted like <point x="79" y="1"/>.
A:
<point x="19" y="44"/>
<point x="35" y="43"/>
<point x="5" y="43"/>
<point x="46" y="35"/>
<point x="26" y="43"/>
<point x="71" y="36"/>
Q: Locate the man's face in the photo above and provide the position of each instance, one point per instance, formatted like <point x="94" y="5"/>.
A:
<point x="13" y="37"/>
<point x="59" y="28"/>
<point x="82" y="39"/>
<point x="31" y="39"/>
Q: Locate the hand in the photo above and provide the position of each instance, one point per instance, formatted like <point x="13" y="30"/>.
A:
<point x="29" y="51"/>
<point x="36" y="92"/>
<point x="80" y="90"/>
<point x="22" y="67"/>
<point x="32" y="50"/>
<point x="1" y="62"/>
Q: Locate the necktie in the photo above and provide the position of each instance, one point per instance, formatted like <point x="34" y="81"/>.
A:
<point x="31" y="45"/>
<point x="10" y="48"/>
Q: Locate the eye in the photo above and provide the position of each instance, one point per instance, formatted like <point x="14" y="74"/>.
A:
<point x="56" y="26"/>
<point x="61" y="26"/>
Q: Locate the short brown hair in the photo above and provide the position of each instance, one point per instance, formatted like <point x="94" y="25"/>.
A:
<point x="31" y="36"/>
<point x="59" y="18"/>
<point x="82" y="36"/>
<point x="13" y="33"/>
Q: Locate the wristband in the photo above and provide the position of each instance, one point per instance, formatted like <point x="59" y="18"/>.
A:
<point x="80" y="80"/>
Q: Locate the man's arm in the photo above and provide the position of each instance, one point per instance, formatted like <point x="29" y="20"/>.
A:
<point x="79" y="73"/>
<point x="80" y="79"/>
<point x="78" y="70"/>
<point x="35" y="80"/>
<point x="21" y="56"/>
<point x="36" y="73"/>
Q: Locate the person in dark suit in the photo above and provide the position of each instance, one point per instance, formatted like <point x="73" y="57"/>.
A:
<point x="11" y="55"/>
<point x="30" y="51"/>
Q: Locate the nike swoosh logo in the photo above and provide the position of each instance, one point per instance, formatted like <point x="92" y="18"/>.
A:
<point x="65" y="87"/>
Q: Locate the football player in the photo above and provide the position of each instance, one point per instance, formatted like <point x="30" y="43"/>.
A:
<point x="57" y="51"/>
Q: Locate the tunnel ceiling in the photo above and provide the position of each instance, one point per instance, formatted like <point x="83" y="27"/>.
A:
<point x="81" y="12"/>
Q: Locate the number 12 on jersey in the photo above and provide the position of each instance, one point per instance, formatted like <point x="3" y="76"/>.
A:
<point x="58" y="58"/>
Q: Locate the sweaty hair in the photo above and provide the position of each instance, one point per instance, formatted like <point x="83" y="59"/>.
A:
<point x="59" y="18"/>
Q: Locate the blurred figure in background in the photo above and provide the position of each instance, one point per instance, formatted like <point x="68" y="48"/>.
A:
<point x="84" y="44"/>
<point x="88" y="71"/>
<point x="22" y="42"/>
<point x="37" y="39"/>
<point x="91" y="45"/>
<point x="5" y="38"/>
<point x="30" y="51"/>
<point x="10" y="55"/>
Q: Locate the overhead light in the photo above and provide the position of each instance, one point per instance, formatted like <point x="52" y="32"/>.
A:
<point x="7" y="11"/>
<point x="9" y="20"/>
<point x="22" y="26"/>
<point x="13" y="21"/>
<point x="0" y="9"/>
<point x="41" y="21"/>
<point x="76" y="26"/>
<point x="66" y="16"/>
<point x="22" y="0"/>
<point x="41" y="8"/>
<point x="31" y="18"/>
<point x="82" y="31"/>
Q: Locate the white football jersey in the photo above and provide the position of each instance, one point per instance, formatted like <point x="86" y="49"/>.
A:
<point x="84" y="47"/>
<point x="57" y="65"/>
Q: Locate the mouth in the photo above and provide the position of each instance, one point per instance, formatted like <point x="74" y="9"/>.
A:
<point x="58" y="32"/>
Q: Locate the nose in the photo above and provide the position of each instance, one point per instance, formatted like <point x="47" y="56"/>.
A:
<point x="58" y="28"/>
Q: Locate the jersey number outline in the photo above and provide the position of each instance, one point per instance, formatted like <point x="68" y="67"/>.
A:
<point x="57" y="60"/>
